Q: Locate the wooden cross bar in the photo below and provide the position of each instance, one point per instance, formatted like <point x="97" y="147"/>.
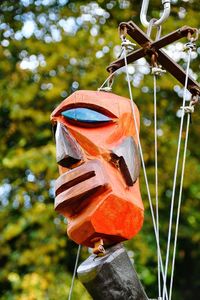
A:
<point x="150" y="47"/>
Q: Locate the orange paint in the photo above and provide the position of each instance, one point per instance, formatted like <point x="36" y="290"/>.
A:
<point x="93" y="194"/>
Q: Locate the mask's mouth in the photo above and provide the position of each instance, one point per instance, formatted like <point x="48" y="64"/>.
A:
<point x="78" y="184"/>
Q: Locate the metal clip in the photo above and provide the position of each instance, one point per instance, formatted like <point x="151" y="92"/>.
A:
<point x="190" y="45"/>
<point x="127" y="44"/>
<point x="105" y="89"/>
<point x="99" y="248"/>
<point x="157" y="71"/>
<point x="187" y="109"/>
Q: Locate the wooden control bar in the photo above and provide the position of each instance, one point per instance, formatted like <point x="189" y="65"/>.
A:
<point x="148" y="47"/>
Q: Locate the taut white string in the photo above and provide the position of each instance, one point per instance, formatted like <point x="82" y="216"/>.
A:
<point x="74" y="273"/>
<point x="175" y="173"/>
<point x="179" y="203"/>
<point x="144" y="169"/>
<point x="156" y="175"/>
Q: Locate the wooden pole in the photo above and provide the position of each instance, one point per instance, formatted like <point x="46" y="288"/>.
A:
<point x="112" y="276"/>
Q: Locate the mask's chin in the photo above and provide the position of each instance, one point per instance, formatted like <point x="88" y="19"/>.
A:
<point x="107" y="216"/>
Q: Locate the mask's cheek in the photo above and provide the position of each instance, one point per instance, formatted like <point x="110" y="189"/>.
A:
<point x="125" y="127"/>
<point x="93" y="141"/>
<point x="87" y="144"/>
<point x="116" y="214"/>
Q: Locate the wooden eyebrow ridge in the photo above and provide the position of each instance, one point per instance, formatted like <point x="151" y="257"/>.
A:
<point x="95" y="107"/>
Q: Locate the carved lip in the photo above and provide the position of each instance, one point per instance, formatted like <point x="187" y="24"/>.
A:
<point x="78" y="184"/>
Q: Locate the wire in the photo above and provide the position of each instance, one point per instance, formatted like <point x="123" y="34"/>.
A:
<point x="175" y="173"/>
<point x="115" y="72"/>
<point x="74" y="273"/>
<point x="144" y="168"/>
<point x="156" y="175"/>
<point x="179" y="204"/>
<point x="161" y="270"/>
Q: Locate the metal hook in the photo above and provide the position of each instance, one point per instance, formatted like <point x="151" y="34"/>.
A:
<point x="165" y="14"/>
<point x="150" y="27"/>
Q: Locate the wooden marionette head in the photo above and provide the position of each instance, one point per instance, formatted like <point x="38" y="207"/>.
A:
<point x="97" y="154"/>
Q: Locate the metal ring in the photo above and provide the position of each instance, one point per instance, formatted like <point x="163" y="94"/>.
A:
<point x="192" y="38"/>
<point x="152" y="24"/>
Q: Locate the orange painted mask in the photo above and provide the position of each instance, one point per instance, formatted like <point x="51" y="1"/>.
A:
<point x="96" y="149"/>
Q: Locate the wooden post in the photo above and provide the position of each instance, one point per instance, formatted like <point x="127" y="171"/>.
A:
<point x="111" y="276"/>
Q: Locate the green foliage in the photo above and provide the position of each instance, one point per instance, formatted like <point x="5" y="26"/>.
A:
<point x="67" y="45"/>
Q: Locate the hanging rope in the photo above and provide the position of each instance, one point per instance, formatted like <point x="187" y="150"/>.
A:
<point x="189" y="110"/>
<point x="74" y="273"/>
<point x="110" y="79"/>
<point x="143" y="163"/>
<point x="175" y="173"/>
<point x="156" y="71"/>
<point x="180" y="196"/>
<point x="156" y="176"/>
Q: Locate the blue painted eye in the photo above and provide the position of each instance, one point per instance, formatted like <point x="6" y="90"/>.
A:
<point x="85" y="115"/>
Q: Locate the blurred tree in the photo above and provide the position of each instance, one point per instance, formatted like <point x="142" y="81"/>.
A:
<point x="48" y="50"/>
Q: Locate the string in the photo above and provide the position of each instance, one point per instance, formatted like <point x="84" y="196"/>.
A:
<point x="115" y="72"/>
<point x="144" y="169"/>
<point x="175" y="173"/>
<point x="179" y="204"/>
<point x="74" y="273"/>
<point x="156" y="176"/>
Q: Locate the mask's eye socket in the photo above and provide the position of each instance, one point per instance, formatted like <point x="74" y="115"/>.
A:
<point x="86" y="117"/>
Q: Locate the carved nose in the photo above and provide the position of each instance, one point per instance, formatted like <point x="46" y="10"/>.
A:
<point x="68" y="151"/>
<point x="126" y="157"/>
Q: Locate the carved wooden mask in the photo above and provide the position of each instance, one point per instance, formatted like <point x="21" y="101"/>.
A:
<point x="97" y="153"/>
